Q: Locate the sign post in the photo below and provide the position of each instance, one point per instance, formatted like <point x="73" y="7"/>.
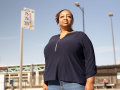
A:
<point x="27" y="22"/>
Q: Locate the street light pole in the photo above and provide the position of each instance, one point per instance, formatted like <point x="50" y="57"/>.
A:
<point x="111" y="14"/>
<point x="83" y="19"/>
<point x="82" y="9"/>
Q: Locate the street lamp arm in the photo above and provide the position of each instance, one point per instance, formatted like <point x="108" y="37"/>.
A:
<point x="80" y="8"/>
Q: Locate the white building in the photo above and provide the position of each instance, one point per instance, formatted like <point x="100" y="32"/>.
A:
<point x="30" y="73"/>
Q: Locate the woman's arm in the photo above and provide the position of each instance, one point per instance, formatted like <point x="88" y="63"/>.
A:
<point x="90" y="84"/>
<point x="90" y="64"/>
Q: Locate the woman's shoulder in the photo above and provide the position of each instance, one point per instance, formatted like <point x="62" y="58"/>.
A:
<point x="80" y="34"/>
<point x="54" y="36"/>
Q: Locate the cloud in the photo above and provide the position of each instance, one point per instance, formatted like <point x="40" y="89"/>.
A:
<point x="7" y="38"/>
<point x="104" y="49"/>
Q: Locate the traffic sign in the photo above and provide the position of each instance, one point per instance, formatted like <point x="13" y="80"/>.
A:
<point x="11" y="82"/>
<point x="28" y="18"/>
<point x="27" y="22"/>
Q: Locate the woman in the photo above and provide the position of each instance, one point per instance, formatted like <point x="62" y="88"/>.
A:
<point x="69" y="58"/>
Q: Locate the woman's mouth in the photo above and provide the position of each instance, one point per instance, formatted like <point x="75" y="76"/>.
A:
<point x="65" y="22"/>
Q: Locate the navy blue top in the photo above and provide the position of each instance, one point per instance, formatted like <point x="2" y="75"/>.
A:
<point x="70" y="58"/>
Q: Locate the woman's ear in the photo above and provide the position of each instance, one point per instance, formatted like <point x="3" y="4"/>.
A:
<point x="72" y="22"/>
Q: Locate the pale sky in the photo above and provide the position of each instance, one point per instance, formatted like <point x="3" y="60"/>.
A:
<point x="97" y="27"/>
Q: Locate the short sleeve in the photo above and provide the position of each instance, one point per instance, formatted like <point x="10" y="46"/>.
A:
<point x="90" y="64"/>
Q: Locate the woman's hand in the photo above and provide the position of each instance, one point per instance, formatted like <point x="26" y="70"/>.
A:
<point x="45" y="86"/>
<point x="89" y="84"/>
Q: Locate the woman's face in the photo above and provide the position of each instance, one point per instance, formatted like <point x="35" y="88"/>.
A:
<point x="65" y="19"/>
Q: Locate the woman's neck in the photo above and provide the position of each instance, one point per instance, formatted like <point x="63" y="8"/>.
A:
<point x="66" y="30"/>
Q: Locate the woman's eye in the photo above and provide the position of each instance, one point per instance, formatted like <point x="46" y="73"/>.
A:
<point x="69" y="16"/>
<point x="61" y="17"/>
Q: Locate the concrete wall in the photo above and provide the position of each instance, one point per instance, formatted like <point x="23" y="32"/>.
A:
<point x="2" y="82"/>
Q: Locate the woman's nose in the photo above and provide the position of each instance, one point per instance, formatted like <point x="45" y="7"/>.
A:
<point x="65" y="17"/>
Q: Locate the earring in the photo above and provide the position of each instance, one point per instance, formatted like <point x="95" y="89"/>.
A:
<point x="59" y="28"/>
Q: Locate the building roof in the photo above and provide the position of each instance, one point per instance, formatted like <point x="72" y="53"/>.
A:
<point x="108" y="66"/>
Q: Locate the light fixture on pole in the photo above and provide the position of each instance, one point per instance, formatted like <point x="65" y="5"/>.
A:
<point x="82" y="9"/>
<point x="111" y="14"/>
